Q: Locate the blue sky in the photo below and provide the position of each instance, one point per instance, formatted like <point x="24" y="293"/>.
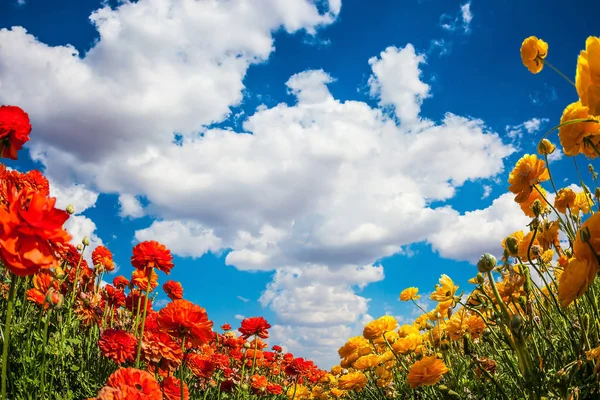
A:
<point x="304" y="162"/>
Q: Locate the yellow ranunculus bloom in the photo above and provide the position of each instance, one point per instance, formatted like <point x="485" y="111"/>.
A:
<point x="426" y="372"/>
<point x="526" y="205"/>
<point x="571" y="136"/>
<point x="533" y="52"/>
<point x="529" y="171"/>
<point x="410" y="294"/>
<point x="375" y="329"/>
<point x="565" y="198"/>
<point x="575" y="280"/>
<point x="353" y="381"/>
<point x="368" y="361"/>
<point x="445" y="290"/>
<point x="587" y="79"/>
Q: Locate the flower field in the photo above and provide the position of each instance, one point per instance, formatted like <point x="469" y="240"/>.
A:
<point x="527" y="328"/>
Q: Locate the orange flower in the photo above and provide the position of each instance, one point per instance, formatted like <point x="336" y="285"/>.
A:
<point x="254" y="326"/>
<point x="151" y="254"/>
<point x="173" y="289"/>
<point x="103" y="259"/>
<point x="565" y="198"/>
<point x="353" y="381"/>
<point x="161" y="352"/>
<point x="258" y="382"/>
<point x="376" y="328"/>
<point x="172" y="390"/>
<point x="527" y="204"/>
<point x="410" y="294"/>
<point x="200" y="365"/>
<point x="139" y="278"/>
<point x="14" y="130"/>
<point x="120" y="282"/>
<point x="426" y="372"/>
<point x="571" y="136"/>
<point x="587" y="79"/>
<point x="533" y="52"/>
<point x="445" y="290"/>
<point x="30" y="228"/>
<point x="182" y="318"/>
<point x="42" y="282"/>
<point x="119" y="346"/>
<point x="591" y="228"/>
<point x="130" y="383"/>
<point x="575" y="280"/>
<point x="529" y="171"/>
<point x="524" y="244"/>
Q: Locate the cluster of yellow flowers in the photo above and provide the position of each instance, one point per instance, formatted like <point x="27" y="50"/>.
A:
<point x="531" y="326"/>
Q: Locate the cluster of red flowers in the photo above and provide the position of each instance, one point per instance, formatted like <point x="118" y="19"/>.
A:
<point x="159" y="344"/>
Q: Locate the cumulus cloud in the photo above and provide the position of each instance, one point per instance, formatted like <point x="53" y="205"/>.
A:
<point x="315" y="191"/>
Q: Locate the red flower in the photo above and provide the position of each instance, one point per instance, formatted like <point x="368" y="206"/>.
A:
<point x="120" y="282"/>
<point x="172" y="390"/>
<point x="182" y="318"/>
<point x="103" y="259"/>
<point x="273" y="388"/>
<point x="119" y="346"/>
<point x="298" y="366"/>
<point x="14" y="130"/>
<point x="130" y="384"/>
<point x="254" y="326"/>
<point x="30" y="229"/>
<point x="173" y="289"/>
<point x="114" y="297"/>
<point x="151" y="254"/>
<point x="226" y="327"/>
<point x="276" y="348"/>
<point x="161" y="352"/>
<point x="42" y="282"/>
<point x="200" y="365"/>
<point x="227" y="386"/>
<point x="258" y="382"/>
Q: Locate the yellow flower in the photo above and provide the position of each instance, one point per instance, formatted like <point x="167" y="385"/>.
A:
<point x="352" y="345"/>
<point x="445" y="290"/>
<point x="547" y="235"/>
<point x="337" y="392"/>
<point x="547" y="256"/>
<point x="571" y="136"/>
<point x="529" y="171"/>
<point x="533" y="52"/>
<point x="368" y="361"/>
<point x="336" y="370"/>
<point x="410" y="294"/>
<point x="565" y="198"/>
<point x="407" y="344"/>
<point x="298" y="392"/>
<point x="349" y="360"/>
<point x="518" y="236"/>
<point x="406" y="330"/>
<point x="375" y="329"/>
<point x="546" y="147"/>
<point x="426" y="372"/>
<point x="591" y="228"/>
<point x="583" y="202"/>
<point x="594" y="354"/>
<point x="587" y="79"/>
<point x="524" y="247"/>
<point x="575" y="280"/>
<point x="526" y="205"/>
<point x="353" y="381"/>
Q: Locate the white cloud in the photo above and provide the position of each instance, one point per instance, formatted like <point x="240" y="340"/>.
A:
<point x="315" y="191"/>
<point x="77" y="195"/>
<point x="239" y="316"/>
<point x="245" y="300"/>
<point x="461" y="21"/>
<point x="440" y="46"/>
<point x="532" y="126"/>
<point x="556" y="155"/>
<point x="130" y="206"/>
<point x="487" y="190"/>
<point x="470" y="235"/>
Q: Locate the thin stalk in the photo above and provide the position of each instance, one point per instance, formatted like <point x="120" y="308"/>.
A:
<point x="5" y="345"/>
<point x="181" y="366"/>
<point x="558" y="71"/>
<point x="139" y="349"/>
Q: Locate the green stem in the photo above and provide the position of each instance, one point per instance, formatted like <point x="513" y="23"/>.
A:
<point x="76" y="279"/>
<point x="558" y="71"/>
<point x="9" y="311"/>
<point x="139" y="349"/>
<point x="181" y="367"/>
<point x="44" y="342"/>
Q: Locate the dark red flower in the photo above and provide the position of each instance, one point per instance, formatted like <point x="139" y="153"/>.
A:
<point x="14" y="130"/>
<point x="273" y="388"/>
<point x="254" y="326"/>
<point x="200" y="365"/>
<point x="120" y="282"/>
<point x="118" y="345"/>
<point x="226" y="327"/>
<point x="173" y="289"/>
<point x="277" y="348"/>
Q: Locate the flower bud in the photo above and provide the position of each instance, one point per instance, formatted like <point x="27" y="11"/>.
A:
<point x="597" y="193"/>
<point x="537" y="207"/>
<point x="247" y="345"/>
<point x="85" y="241"/>
<point x="545" y="147"/>
<point x="443" y="388"/>
<point x="54" y="298"/>
<point x="70" y="209"/>
<point x="480" y="279"/>
<point x="512" y="244"/>
<point x="486" y="263"/>
<point x="244" y="386"/>
<point x="79" y="246"/>
<point x="515" y="323"/>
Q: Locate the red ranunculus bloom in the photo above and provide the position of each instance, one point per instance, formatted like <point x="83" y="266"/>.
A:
<point x="30" y="229"/>
<point x="139" y="278"/>
<point x="173" y="289"/>
<point x="298" y="366"/>
<point x="151" y="254"/>
<point x="130" y="384"/>
<point x="113" y="297"/>
<point x="161" y="353"/>
<point x="200" y="365"/>
<point x="273" y="388"/>
<point x="103" y="259"/>
<point x="258" y="382"/>
<point x="277" y="348"/>
<point x="172" y="390"/>
<point x="14" y="130"/>
<point x="182" y="318"/>
<point x="42" y="282"/>
<point x="119" y="346"/>
<point x="254" y="326"/>
<point x="120" y="282"/>
<point x="226" y="327"/>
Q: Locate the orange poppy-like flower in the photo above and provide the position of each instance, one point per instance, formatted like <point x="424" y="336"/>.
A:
<point x="353" y="381"/>
<point x="524" y="247"/>
<point x="410" y="294"/>
<point x="445" y="290"/>
<point x="533" y="53"/>
<point x="120" y="282"/>
<point x="426" y="372"/>
<point x="139" y="278"/>
<point x="200" y="365"/>
<point x="587" y="79"/>
<point x="130" y="383"/>
<point x="42" y="282"/>
<point x="547" y="234"/>
<point x="103" y="259"/>
<point x="113" y="296"/>
<point x="590" y="247"/>
<point x="575" y="279"/>
<point x="258" y="382"/>
<point x="572" y="136"/>
<point x="173" y="289"/>
<point x="35" y="181"/>
<point x="30" y="227"/>
<point x="352" y="345"/>
<point x="529" y="171"/>
<point x="161" y="352"/>
<point x="172" y="390"/>
<point x="182" y="318"/>
<point x="14" y="130"/>
<point x="120" y="346"/>
<point x="565" y="198"/>
<point x="298" y="366"/>
<point x="273" y="388"/>
<point x="376" y="328"/>
<point x="254" y="326"/>
<point x="527" y="204"/>
<point x="151" y="254"/>
<point x="583" y="203"/>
